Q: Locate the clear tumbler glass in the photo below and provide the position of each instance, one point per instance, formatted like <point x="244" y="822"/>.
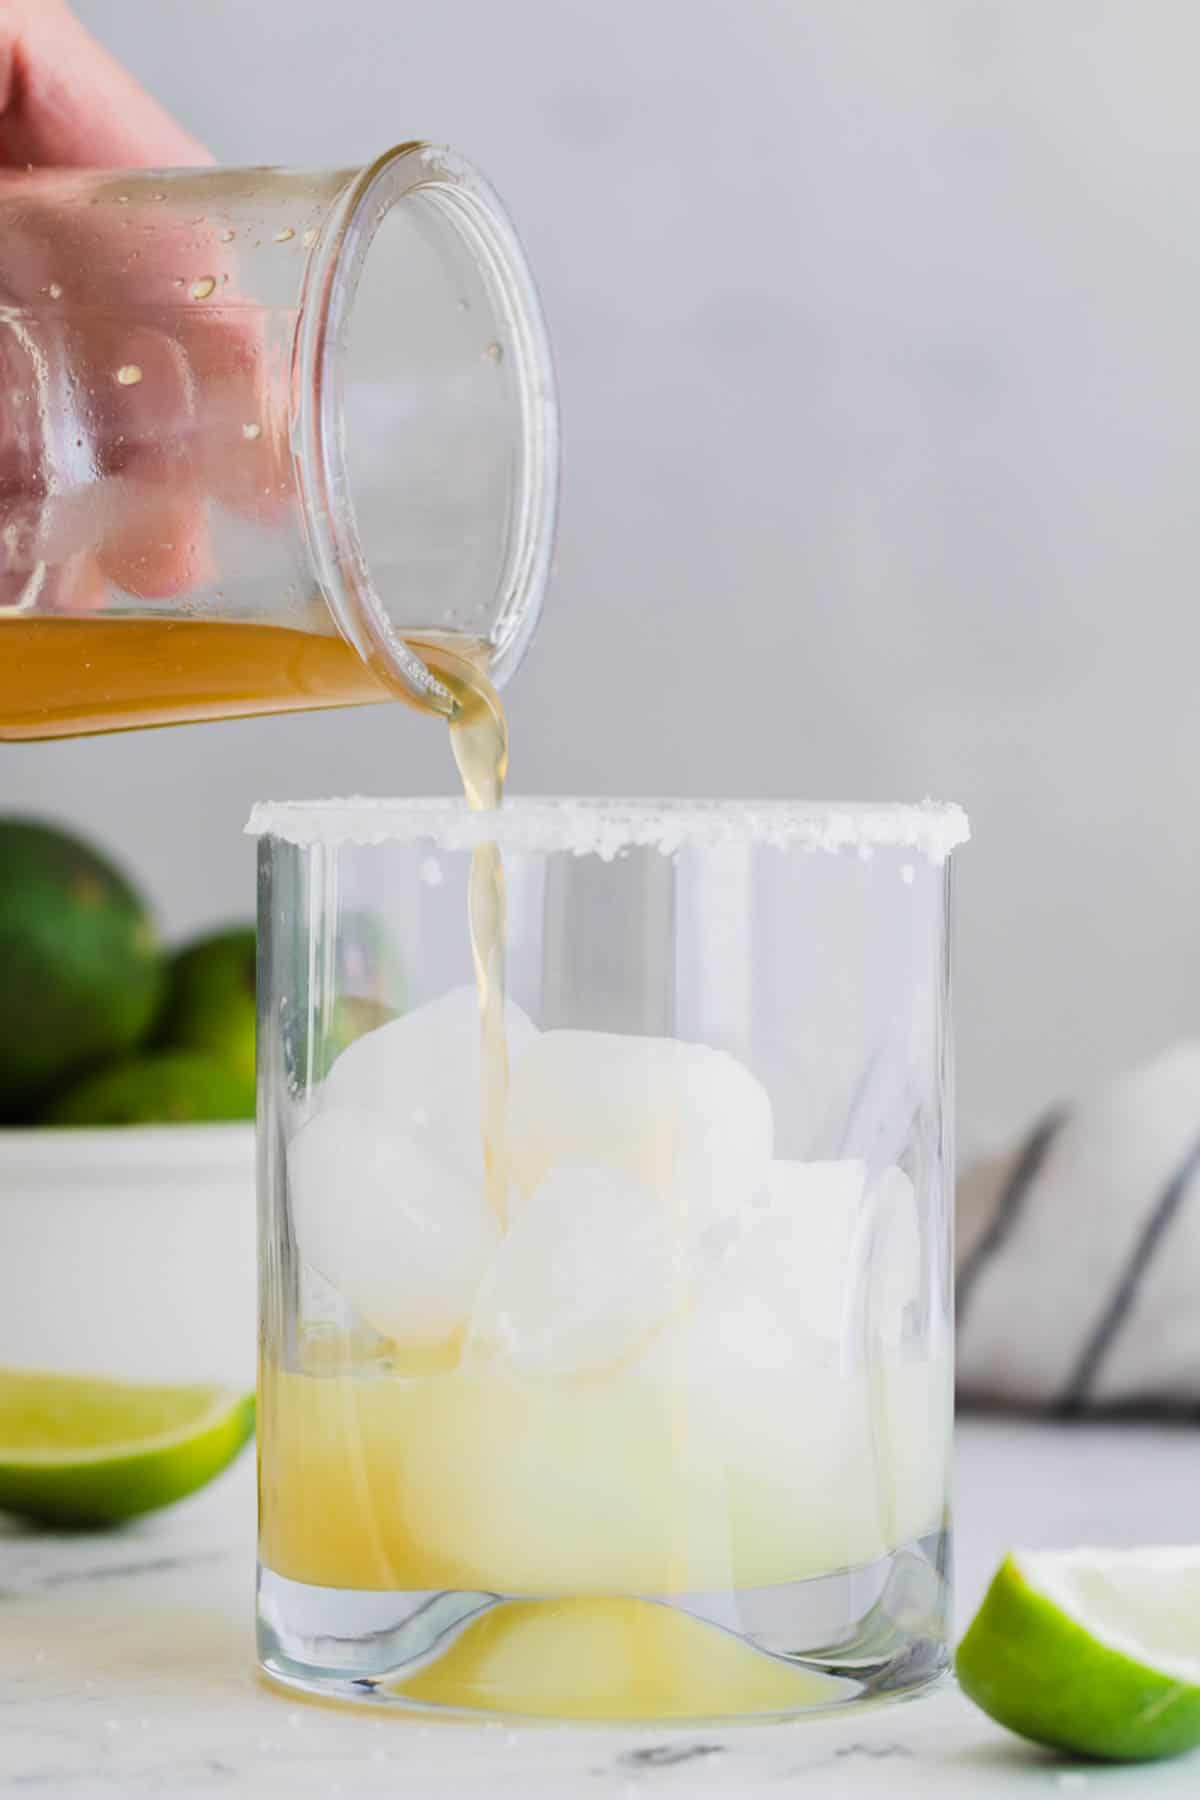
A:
<point x="657" y="1425"/>
<point x="269" y="439"/>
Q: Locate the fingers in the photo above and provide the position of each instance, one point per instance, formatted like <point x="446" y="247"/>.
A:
<point x="112" y="484"/>
<point x="142" y="398"/>
<point x="65" y="102"/>
<point x="159" y="545"/>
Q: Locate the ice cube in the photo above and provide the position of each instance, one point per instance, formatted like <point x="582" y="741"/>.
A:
<point x="785" y="1293"/>
<point x="421" y="1073"/>
<point x="687" y="1121"/>
<point x="830" y="1447"/>
<point x="590" y="1266"/>
<point x="897" y="1260"/>
<point x="836" y="1252"/>
<point x="400" y="1236"/>
<point x="802" y="1247"/>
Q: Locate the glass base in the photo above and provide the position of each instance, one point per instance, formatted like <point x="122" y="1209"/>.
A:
<point x="881" y="1630"/>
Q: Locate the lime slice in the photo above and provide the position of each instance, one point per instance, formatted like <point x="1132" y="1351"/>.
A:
<point x="1096" y="1651"/>
<point x="75" y="1451"/>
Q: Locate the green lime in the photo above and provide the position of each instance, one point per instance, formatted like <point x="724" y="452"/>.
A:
<point x="83" y="974"/>
<point x="210" y="1002"/>
<point x="1095" y="1651"/>
<point x="75" y="1451"/>
<point x="159" y="1087"/>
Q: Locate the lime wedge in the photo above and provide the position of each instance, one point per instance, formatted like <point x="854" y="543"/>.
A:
<point x="75" y="1451"/>
<point x="1096" y="1651"/>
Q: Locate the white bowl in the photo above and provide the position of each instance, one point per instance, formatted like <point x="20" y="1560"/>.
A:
<point x="129" y="1251"/>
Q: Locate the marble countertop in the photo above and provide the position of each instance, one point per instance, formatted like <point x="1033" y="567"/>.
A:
<point x="126" y="1666"/>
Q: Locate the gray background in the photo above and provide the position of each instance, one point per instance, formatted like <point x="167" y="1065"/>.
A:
<point x="876" y="329"/>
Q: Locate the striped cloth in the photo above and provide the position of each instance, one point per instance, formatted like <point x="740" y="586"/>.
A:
<point x="1079" y="1254"/>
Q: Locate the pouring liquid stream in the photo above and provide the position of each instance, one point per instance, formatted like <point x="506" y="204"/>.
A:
<point x="479" y="739"/>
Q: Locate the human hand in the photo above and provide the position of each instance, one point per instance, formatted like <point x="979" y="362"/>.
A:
<point x="106" y="475"/>
<point x="65" y="103"/>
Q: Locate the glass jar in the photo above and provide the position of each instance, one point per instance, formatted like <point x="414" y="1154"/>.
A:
<point x="269" y="439"/>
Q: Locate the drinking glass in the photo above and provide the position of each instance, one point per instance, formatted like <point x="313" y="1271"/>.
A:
<point x="269" y="439"/>
<point x="657" y="1423"/>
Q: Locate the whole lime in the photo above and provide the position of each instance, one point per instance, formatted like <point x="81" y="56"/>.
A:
<point x="83" y="973"/>
<point x="210" y="1004"/>
<point x="159" y="1087"/>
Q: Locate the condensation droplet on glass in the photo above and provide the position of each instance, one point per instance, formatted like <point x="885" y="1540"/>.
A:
<point x="200" y="290"/>
<point x="310" y="237"/>
<point x="178" y="281"/>
<point x="54" y="291"/>
<point x="226" y="237"/>
<point x="251" y="431"/>
<point x="158" y="196"/>
<point x="129" y="374"/>
<point x="495" y="353"/>
<point x="284" y="234"/>
<point x="122" y="199"/>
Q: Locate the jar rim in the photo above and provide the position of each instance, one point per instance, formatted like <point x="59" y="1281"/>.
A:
<point x="470" y="208"/>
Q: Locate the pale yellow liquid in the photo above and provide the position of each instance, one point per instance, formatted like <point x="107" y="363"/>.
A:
<point x="585" y="1491"/>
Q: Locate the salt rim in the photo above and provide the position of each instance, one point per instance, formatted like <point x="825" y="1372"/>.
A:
<point x="604" y="828"/>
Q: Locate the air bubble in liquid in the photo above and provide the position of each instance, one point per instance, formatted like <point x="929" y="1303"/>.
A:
<point x="284" y="235"/>
<point x="201" y="289"/>
<point x="251" y="431"/>
<point x="129" y="374"/>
